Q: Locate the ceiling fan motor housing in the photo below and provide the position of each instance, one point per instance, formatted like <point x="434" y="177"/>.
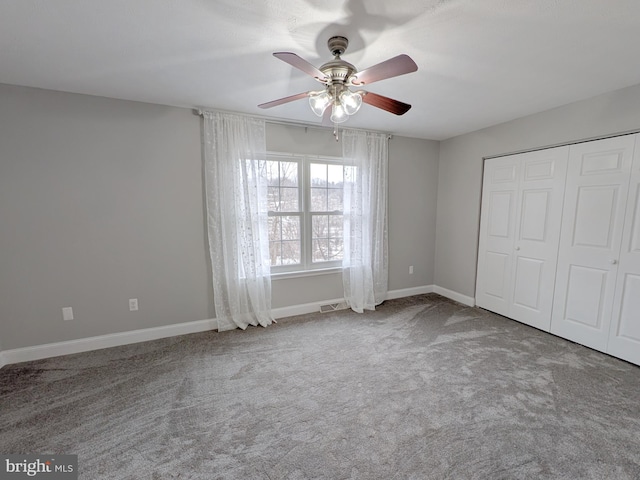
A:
<point x="337" y="71"/>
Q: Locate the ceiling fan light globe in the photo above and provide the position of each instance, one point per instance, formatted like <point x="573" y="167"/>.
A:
<point x="338" y="115"/>
<point x="319" y="102"/>
<point x="351" y="101"/>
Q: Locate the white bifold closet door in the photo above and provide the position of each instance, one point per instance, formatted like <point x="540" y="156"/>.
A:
<point x="589" y="254"/>
<point x="519" y="234"/>
<point x="624" y="333"/>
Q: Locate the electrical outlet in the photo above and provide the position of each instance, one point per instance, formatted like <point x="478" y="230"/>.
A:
<point x="67" y="313"/>
<point x="133" y="304"/>
<point x="410" y="269"/>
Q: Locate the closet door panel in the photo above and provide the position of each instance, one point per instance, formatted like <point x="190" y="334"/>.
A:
<point x="624" y="334"/>
<point x="592" y="227"/>
<point x="585" y="298"/>
<point x="540" y="196"/>
<point x="627" y="324"/>
<point x="497" y="229"/>
<point x="519" y="234"/>
<point x="528" y="283"/>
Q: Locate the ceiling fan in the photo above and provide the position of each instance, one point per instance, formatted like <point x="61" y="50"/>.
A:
<point x="336" y="101"/>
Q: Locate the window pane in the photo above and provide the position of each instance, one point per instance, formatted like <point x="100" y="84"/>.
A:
<point x="275" y="253"/>
<point x="274" y="240"/>
<point x="272" y="173"/>
<point x="274" y="229"/>
<point x="289" y="197"/>
<point x="320" y="226"/>
<point x="320" y="250"/>
<point x="335" y="175"/>
<point x="273" y="199"/>
<point x="290" y="228"/>
<point x="291" y="252"/>
<point x="335" y="226"/>
<point x="318" y="199"/>
<point x="335" y="199"/>
<point x="335" y="249"/>
<point x="318" y="174"/>
<point x="288" y="174"/>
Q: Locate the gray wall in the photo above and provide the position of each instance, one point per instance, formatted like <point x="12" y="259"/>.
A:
<point x="413" y="194"/>
<point x="460" y="171"/>
<point x="101" y="201"/>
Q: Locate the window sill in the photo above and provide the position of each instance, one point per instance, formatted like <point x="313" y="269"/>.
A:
<point x="306" y="273"/>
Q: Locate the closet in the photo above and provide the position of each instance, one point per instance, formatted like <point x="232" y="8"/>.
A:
<point x="559" y="245"/>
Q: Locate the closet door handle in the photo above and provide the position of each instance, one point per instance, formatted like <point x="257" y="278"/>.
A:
<point x="517" y="248"/>
<point x="614" y="261"/>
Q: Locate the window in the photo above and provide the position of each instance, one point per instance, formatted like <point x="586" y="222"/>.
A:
<point x="285" y="215"/>
<point x="305" y="211"/>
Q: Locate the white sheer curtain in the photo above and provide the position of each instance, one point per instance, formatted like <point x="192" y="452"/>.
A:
<point x="365" y="265"/>
<point x="234" y="156"/>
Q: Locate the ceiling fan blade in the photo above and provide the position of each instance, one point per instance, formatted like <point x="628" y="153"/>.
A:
<point x="301" y="64"/>
<point x="385" y="103"/>
<point x="280" y="101"/>
<point x="389" y="68"/>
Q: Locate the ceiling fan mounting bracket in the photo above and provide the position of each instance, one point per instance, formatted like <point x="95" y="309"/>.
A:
<point x="337" y="45"/>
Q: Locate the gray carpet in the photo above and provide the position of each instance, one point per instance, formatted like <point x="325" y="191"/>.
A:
<point x="422" y="388"/>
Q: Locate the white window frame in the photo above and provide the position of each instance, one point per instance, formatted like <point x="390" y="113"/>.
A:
<point x="306" y="266"/>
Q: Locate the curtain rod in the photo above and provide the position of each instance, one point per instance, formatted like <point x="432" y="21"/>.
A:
<point x="289" y="123"/>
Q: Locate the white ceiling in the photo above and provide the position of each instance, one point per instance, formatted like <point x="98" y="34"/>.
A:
<point x="481" y="62"/>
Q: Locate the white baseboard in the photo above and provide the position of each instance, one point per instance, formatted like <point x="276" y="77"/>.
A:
<point x="458" y="297"/>
<point x="38" y="352"/>
<point x="314" y="307"/>
<point x="408" y="292"/>
<point x="302" y="309"/>
<point x="103" y="341"/>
